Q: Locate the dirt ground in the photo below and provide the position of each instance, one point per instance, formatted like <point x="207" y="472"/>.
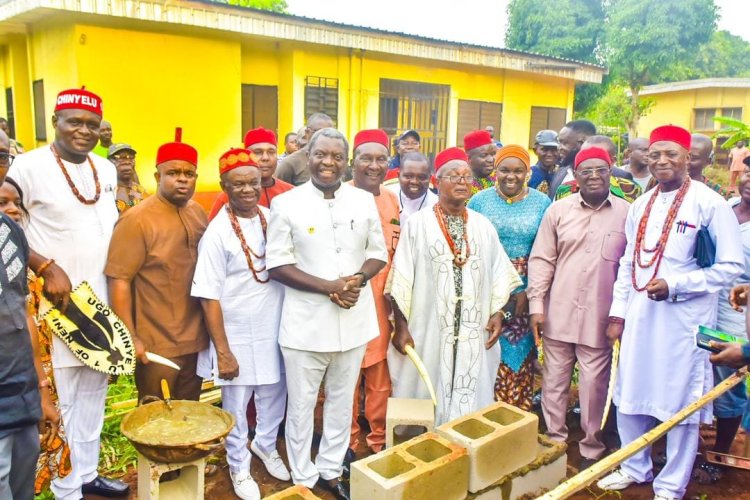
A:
<point x="734" y="486"/>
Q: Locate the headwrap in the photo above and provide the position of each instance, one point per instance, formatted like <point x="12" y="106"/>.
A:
<point x="513" y="151"/>
<point x="235" y="158"/>
<point x="449" y="154"/>
<point x="591" y="153"/>
<point x="373" y="135"/>
<point x="671" y="133"/>
<point x="258" y="135"/>
<point x="477" y="138"/>
<point x="177" y="150"/>
<point x="79" y="99"/>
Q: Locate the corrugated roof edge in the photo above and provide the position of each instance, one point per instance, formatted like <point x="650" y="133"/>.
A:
<point x="398" y="33"/>
<point x="702" y="83"/>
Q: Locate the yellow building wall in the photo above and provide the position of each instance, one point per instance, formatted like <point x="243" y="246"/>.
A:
<point x="174" y="81"/>
<point x="678" y="108"/>
<point x="52" y="58"/>
<point x="189" y="79"/>
<point x="5" y="78"/>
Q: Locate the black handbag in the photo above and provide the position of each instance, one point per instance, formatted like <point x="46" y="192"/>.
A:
<point x="705" y="248"/>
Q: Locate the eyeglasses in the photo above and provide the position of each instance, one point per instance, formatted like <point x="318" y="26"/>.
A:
<point x="369" y="160"/>
<point x="455" y="179"/>
<point x="671" y="155"/>
<point x="6" y="159"/>
<point x="588" y="172"/>
<point x="123" y="157"/>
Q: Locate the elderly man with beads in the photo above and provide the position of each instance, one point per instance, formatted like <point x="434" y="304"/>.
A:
<point x="662" y="294"/>
<point x="451" y="279"/>
<point x="242" y="311"/>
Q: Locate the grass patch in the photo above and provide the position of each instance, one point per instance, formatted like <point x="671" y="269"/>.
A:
<point x="116" y="454"/>
<point x="719" y="175"/>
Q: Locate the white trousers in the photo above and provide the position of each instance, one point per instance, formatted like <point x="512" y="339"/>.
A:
<point x="81" y="392"/>
<point x="304" y="372"/>
<point x="682" y="445"/>
<point x="270" y="401"/>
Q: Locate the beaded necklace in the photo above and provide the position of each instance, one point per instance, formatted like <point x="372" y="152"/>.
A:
<point x="72" y="186"/>
<point x="245" y="247"/>
<point x="661" y="244"/>
<point x="459" y="258"/>
<point x="515" y="198"/>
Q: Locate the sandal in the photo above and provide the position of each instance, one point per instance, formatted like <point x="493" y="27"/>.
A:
<point x="707" y="473"/>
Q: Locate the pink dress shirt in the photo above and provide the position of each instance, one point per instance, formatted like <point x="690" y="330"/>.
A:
<point x="573" y="267"/>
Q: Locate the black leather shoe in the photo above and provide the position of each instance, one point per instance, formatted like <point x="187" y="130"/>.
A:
<point x="586" y="463"/>
<point x="348" y="459"/>
<point x="106" y="487"/>
<point x="338" y="487"/>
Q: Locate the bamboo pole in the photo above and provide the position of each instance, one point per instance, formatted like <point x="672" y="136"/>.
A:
<point x="587" y="476"/>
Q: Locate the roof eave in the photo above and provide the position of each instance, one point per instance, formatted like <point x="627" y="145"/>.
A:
<point x="296" y="29"/>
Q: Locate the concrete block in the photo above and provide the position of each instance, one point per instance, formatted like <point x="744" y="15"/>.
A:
<point x="427" y="467"/>
<point x="296" y="492"/>
<point x="407" y="418"/>
<point x="189" y="486"/>
<point x="499" y="438"/>
<point x="544" y="473"/>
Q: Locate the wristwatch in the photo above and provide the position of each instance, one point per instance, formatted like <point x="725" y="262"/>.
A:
<point x="364" y="278"/>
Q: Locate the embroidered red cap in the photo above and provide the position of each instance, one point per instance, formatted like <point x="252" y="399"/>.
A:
<point x="591" y="153"/>
<point x="79" y="99"/>
<point x="671" y="133"/>
<point x="258" y="135"/>
<point x="477" y="138"/>
<point x="449" y="154"/>
<point x="372" y="135"/>
<point x="235" y="158"/>
<point x="177" y="150"/>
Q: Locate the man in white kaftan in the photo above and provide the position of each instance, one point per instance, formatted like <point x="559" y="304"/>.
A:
<point x="251" y="313"/>
<point x="661" y="369"/>
<point x="325" y="241"/>
<point x="448" y="328"/>
<point x="74" y="227"/>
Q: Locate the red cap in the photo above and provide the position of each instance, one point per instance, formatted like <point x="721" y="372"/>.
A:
<point x="449" y="154"/>
<point x="258" y="135"/>
<point x="671" y="133"/>
<point x="79" y="99"/>
<point x="177" y="150"/>
<point x="235" y="158"/>
<point x="477" y="138"/>
<point x="372" y="135"/>
<point x="590" y="153"/>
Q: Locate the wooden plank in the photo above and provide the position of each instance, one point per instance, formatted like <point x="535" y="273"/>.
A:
<point x="599" y="469"/>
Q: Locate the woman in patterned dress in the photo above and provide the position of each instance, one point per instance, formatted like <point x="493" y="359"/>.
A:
<point x="54" y="457"/>
<point x="516" y="211"/>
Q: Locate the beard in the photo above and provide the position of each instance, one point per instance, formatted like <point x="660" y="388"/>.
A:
<point x="570" y="158"/>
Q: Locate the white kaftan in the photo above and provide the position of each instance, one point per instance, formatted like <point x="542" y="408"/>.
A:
<point x="661" y="370"/>
<point x="251" y="310"/>
<point x="407" y="206"/>
<point x="423" y="288"/>
<point x="62" y="228"/>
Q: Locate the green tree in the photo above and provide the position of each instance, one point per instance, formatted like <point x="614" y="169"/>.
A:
<point x="613" y="109"/>
<point x="736" y="131"/>
<point x="272" y="5"/>
<point x="648" y="42"/>
<point x="724" y="55"/>
<point x="564" y="28"/>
